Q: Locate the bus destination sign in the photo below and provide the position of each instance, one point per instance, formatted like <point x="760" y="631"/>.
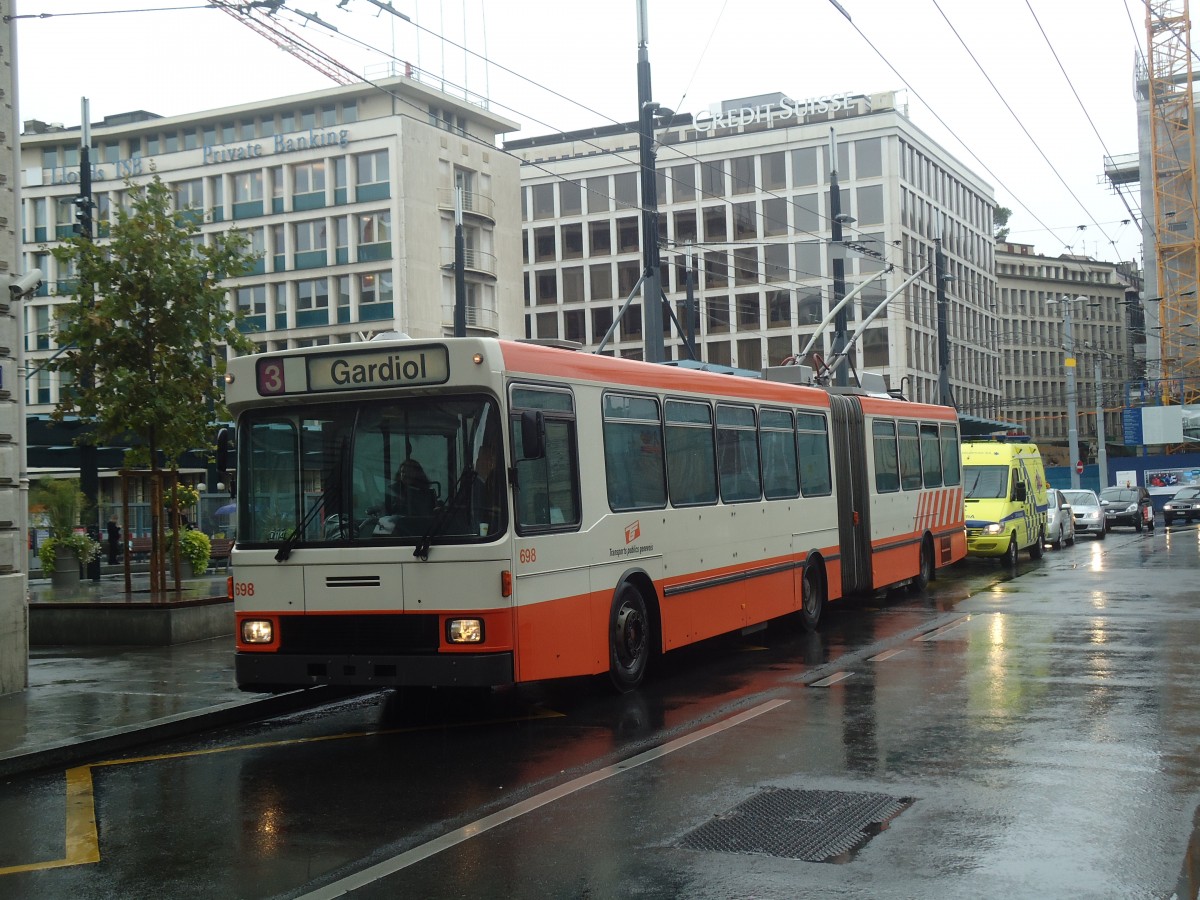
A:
<point x="350" y="371"/>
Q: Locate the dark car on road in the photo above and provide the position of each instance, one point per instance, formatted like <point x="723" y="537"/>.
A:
<point x="1126" y="506"/>
<point x="1184" y="505"/>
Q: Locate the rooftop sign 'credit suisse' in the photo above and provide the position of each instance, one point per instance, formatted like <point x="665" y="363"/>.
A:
<point x="366" y="370"/>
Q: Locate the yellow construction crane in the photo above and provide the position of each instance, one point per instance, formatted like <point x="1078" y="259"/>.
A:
<point x="1173" y="168"/>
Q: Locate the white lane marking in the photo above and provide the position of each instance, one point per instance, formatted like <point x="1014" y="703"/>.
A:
<point x="832" y="679"/>
<point x="445" y="842"/>
<point x="939" y="632"/>
<point x="886" y="654"/>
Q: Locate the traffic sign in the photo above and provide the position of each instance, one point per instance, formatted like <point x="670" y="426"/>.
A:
<point x="1079" y="467"/>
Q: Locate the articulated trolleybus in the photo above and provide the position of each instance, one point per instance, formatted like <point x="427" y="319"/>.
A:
<point x="479" y="512"/>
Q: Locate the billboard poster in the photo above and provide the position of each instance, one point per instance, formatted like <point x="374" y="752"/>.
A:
<point x="1168" y="481"/>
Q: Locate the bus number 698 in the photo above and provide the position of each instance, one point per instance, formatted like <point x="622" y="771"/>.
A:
<point x="528" y="555"/>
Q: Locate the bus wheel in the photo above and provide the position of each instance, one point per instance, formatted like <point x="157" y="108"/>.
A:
<point x="925" y="573"/>
<point x="1009" y="558"/>
<point x="812" y="600"/>
<point x="628" y="638"/>
<point x="1038" y="547"/>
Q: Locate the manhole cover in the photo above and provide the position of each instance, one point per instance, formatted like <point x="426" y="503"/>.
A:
<point x="814" y="826"/>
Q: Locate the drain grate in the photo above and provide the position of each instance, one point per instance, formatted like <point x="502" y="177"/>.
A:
<point x="814" y="826"/>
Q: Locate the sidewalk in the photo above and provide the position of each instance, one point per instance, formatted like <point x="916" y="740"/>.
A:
<point x="84" y="702"/>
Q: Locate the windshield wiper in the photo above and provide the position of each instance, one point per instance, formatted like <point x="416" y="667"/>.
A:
<point x="421" y="551"/>
<point x="294" y="538"/>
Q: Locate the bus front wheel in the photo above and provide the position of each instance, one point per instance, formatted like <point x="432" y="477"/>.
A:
<point x="628" y="638"/>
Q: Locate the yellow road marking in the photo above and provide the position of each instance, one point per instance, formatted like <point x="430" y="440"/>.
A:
<point x="82" y="839"/>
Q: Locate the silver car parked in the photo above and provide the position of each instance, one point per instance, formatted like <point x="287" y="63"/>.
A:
<point x="1089" y="517"/>
<point x="1060" y="520"/>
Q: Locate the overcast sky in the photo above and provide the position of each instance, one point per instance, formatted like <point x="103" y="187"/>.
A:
<point x="572" y="64"/>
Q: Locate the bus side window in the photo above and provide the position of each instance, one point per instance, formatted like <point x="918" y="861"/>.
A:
<point x="887" y="468"/>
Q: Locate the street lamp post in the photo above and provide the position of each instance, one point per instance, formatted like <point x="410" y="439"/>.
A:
<point x="1069" y="362"/>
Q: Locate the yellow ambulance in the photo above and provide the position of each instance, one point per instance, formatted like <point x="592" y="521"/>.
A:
<point x="1005" y="491"/>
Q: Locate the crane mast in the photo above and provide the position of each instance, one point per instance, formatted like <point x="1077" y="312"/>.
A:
<point x="1173" y="172"/>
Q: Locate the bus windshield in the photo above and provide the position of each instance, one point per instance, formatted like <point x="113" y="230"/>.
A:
<point x="376" y="472"/>
<point x="985" y="482"/>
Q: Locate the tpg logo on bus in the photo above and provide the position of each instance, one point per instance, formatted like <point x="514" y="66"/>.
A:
<point x="633" y="532"/>
<point x="392" y="368"/>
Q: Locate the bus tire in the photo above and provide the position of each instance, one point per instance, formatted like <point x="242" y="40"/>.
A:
<point x="1009" y="559"/>
<point x="812" y="597"/>
<point x="1038" y="547"/>
<point x="925" y="572"/>
<point x="629" y="638"/>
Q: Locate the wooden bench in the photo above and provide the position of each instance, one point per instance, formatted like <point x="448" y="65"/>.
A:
<point x="221" y="548"/>
<point x="139" y="548"/>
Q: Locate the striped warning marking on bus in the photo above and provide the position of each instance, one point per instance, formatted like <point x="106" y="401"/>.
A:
<point x="939" y="508"/>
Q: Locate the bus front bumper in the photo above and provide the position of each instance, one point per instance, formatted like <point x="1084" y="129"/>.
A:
<point x="267" y="672"/>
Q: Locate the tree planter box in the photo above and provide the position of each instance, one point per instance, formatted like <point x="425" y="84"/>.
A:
<point x="133" y="622"/>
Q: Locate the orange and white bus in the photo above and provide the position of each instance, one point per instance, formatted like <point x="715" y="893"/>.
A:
<point x="472" y="511"/>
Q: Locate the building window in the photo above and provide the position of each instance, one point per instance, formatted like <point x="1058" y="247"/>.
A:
<point x="247" y="194"/>
<point x="601" y="281"/>
<point x="715" y="231"/>
<point x="745" y="222"/>
<point x="774" y="174"/>
<point x="743" y="175"/>
<point x="683" y="183"/>
<point x="543" y="201"/>
<point x="626" y="190"/>
<point x="774" y="216"/>
<point x="747" y="312"/>
<point x="570" y="198"/>
<point x="779" y="309"/>
<point x="371" y="171"/>
<point x="716" y="311"/>
<point x="310" y="244"/>
<point x="868" y="158"/>
<point x="544" y="249"/>
<point x="572" y="241"/>
<point x="627" y="234"/>
<point x="745" y="265"/>
<point x="600" y="238"/>
<point x="804" y="167"/>
<point x="712" y="178"/>
<point x="374" y="236"/>
<point x="308" y="185"/>
<point x="776" y="268"/>
<point x="572" y="284"/>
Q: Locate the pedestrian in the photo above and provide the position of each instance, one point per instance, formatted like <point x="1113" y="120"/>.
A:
<point x="114" y="540"/>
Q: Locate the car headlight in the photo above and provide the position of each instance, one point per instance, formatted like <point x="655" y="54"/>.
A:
<point x="994" y="528"/>
<point x="257" y="631"/>
<point x="1132" y="507"/>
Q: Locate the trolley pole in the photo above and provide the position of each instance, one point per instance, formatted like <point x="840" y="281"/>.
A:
<point x="652" y="314"/>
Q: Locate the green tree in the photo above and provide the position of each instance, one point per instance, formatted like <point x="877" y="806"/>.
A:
<point x="144" y="332"/>
<point x="1000" y="223"/>
<point x="146" y="323"/>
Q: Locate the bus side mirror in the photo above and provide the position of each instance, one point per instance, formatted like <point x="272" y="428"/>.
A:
<point x="533" y="434"/>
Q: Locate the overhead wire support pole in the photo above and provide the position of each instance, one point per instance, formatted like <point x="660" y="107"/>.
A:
<point x="837" y="250"/>
<point x="89" y="473"/>
<point x="651" y="283"/>
<point x="945" y="398"/>
<point x="460" y="268"/>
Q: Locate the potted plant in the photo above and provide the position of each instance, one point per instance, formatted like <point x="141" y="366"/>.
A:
<point x="194" y="551"/>
<point x="61" y="553"/>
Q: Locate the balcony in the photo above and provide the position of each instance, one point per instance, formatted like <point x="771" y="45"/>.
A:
<point x="473" y="261"/>
<point x="478" y="318"/>
<point x="474" y="204"/>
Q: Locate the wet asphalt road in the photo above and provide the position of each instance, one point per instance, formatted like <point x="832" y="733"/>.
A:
<point x="1037" y="736"/>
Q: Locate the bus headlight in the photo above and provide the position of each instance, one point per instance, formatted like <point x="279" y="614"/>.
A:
<point x="257" y="631"/>
<point x="994" y="528"/>
<point x="464" y="631"/>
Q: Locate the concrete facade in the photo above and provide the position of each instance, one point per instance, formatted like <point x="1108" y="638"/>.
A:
<point x="1104" y="307"/>
<point x="347" y="195"/>
<point x="14" y="484"/>
<point x="747" y="184"/>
